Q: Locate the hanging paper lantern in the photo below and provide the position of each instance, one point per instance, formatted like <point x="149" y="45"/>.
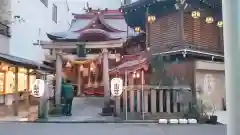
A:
<point x="151" y="19"/>
<point x="137" y="29"/>
<point x="209" y="19"/>
<point x="196" y="14"/>
<point x="220" y="24"/>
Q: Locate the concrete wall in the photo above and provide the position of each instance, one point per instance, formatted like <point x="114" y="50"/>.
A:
<point x="35" y="22"/>
<point x="4" y="44"/>
<point x="210" y="84"/>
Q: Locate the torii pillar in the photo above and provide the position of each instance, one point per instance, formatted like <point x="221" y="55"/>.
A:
<point x="231" y="32"/>
<point x="59" y="63"/>
<point x="106" y="73"/>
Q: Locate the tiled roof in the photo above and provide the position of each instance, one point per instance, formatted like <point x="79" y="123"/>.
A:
<point x="81" y="25"/>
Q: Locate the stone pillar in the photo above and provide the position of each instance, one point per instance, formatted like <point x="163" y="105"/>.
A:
<point x="59" y="63"/>
<point x="125" y="95"/>
<point x="153" y="101"/>
<point x="131" y="93"/>
<point x="79" y="83"/>
<point x="28" y="89"/>
<point x="168" y="105"/>
<point x="106" y="73"/>
<point x="44" y="104"/>
<point x="89" y="76"/>
<point x="231" y="35"/>
<point x="16" y="94"/>
<point x="161" y="101"/>
<point x="175" y="93"/>
<point x="139" y="101"/>
<point x="117" y="104"/>
<point x="145" y="101"/>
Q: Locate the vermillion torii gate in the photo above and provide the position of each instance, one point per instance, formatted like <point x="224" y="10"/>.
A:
<point x="60" y="57"/>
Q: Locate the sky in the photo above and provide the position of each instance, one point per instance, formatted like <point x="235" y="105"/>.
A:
<point x="76" y="6"/>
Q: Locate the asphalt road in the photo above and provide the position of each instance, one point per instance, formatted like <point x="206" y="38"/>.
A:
<point x="105" y="129"/>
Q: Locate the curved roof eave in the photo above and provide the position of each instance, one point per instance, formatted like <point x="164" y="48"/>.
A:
<point x="52" y="37"/>
<point x="135" y="13"/>
<point x="101" y="18"/>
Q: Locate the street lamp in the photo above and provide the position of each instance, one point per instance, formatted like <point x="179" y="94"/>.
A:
<point x="151" y="19"/>
<point x="220" y="24"/>
<point x="209" y="19"/>
<point x="196" y="14"/>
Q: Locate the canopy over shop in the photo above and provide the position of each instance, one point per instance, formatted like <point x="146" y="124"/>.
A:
<point x="16" y="76"/>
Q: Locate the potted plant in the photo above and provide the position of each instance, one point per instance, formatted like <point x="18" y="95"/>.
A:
<point x="213" y="117"/>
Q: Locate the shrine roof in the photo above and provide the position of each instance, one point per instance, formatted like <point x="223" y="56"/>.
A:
<point x="135" y="13"/>
<point x="113" y="26"/>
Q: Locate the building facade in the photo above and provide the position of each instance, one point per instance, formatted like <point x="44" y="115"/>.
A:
<point x="29" y="22"/>
<point x="185" y="48"/>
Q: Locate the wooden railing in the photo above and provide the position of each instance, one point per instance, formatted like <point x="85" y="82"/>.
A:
<point x="4" y="30"/>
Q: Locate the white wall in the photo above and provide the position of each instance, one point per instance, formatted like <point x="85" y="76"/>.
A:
<point x="37" y="16"/>
<point x="4" y="44"/>
<point x="37" y="22"/>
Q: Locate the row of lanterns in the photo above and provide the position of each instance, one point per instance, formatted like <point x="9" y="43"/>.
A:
<point x="195" y="15"/>
<point x="208" y="19"/>
<point x="136" y="75"/>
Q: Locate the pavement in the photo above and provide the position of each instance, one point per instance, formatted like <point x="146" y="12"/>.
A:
<point x="222" y="116"/>
<point x="84" y="109"/>
<point x="103" y="129"/>
<point x="29" y="114"/>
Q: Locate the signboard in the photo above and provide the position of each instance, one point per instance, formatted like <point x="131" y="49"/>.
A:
<point x="209" y="84"/>
<point x="38" y="88"/>
<point x="81" y="50"/>
<point x="116" y="86"/>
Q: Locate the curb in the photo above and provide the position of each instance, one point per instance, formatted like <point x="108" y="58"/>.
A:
<point x="177" y="121"/>
<point x="160" y="121"/>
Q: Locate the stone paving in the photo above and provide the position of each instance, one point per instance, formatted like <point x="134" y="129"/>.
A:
<point x="104" y="129"/>
<point x="29" y="114"/>
<point x="84" y="109"/>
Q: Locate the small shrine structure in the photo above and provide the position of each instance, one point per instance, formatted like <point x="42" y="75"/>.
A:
<point x="88" y="49"/>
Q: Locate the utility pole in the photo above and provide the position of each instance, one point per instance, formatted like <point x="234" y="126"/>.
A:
<point x="231" y="21"/>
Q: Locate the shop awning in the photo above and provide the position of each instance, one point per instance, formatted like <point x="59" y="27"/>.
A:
<point x="23" y="62"/>
<point x="131" y="65"/>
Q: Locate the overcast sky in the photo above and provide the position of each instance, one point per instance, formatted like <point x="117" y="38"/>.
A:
<point x="76" y="6"/>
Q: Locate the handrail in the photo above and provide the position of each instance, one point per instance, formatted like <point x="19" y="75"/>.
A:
<point x="5" y="30"/>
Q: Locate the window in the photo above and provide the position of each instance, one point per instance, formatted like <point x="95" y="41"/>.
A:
<point x="54" y="13"/>
<point x="45" y="2"/>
